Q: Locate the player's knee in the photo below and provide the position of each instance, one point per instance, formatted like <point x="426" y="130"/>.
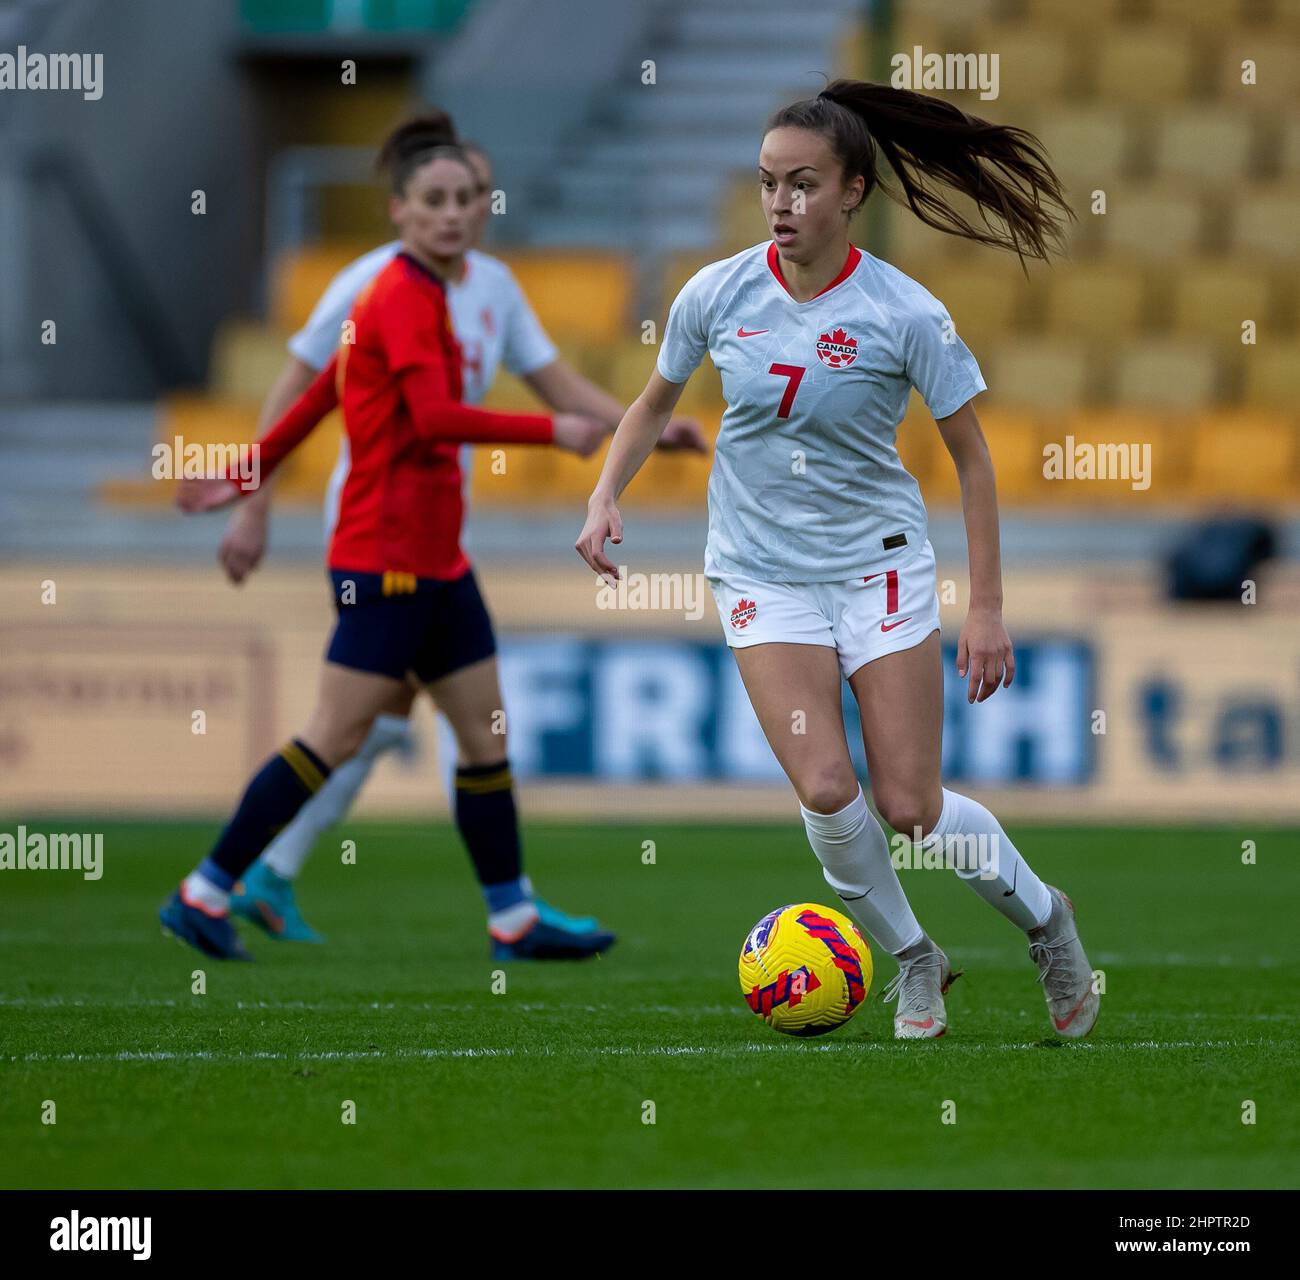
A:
<point x="828" y="790"/>
<point x="909" y="810"/>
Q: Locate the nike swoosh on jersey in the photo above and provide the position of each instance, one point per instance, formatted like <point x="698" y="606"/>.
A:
<point x="752" y="333"/>
<point x="889" y="626"/>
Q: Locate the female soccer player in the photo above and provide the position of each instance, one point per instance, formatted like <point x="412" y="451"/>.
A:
<point x="407" y="599"/>
<point x="817" y="549"/>
<point x="495" y="326"/>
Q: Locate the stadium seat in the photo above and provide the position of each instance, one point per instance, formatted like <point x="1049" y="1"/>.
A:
<point x="1147" y="65"/>
<point x="1052" y="375"/>
<point x="1088" y="146"/>
<point x="1238" y="456"/>
<point x="986" y="299"/>
<point x="1034" y="64"/>
<point x="1071" y="14"/>
<point x="1266" y="221"/>
<point x="1166" y="374"/>
<point x="1099" y="300"/>
<point x="1211" y="298"/>
<point x="584" y="296"/>
<point x="1165" y="437"/>
<point x="1219" y="16"/>
<point x="1271" y="375"/>
<point x="247" y="357"/>
<point x="1288" y="152"/>
<point x="1276" y="58"/>
<point x="1015" y="443"/>
<point x="299" y="278"/>
<point x="1153" y="221"/>
<point x="1191" y="141"/>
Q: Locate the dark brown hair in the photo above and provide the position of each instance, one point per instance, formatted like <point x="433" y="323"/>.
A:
<point x="929" y="142"/>
<point x="413" y="143"/>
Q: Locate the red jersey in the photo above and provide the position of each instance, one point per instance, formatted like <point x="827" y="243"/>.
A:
<point x="399" y="384"/>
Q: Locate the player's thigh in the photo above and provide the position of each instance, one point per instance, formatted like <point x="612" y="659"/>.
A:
<point x="795" y="691"/>
<point x="900" y="701"/>
<point x="471" y="700"/>
<point x="347" y="702"/>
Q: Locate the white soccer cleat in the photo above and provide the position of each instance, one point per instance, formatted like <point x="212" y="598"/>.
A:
<point x="1064" y="971"/>
<point x="920" y="985"/>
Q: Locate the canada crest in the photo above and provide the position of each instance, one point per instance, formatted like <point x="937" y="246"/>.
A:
<point x="743" y="614"/>
<point x="837" y="349"/>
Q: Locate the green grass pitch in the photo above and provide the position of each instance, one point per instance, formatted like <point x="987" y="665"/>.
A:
<point x="545" y="1085"/>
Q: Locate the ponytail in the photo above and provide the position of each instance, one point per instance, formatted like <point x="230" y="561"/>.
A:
<point x="929" y="143"/>
<point x="414" y="142"/>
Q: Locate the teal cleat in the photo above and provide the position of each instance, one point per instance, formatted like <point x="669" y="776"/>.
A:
<point x="267" y="900"/>
<point x="558" y="919"/>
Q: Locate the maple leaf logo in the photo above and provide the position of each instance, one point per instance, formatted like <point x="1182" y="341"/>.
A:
<point x="743" y="614"/>
<point x="837" y="348"/>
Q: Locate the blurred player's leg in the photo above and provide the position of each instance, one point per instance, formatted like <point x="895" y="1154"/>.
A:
<point x="486" y="817"/>
<point x="347" y="703"/>
<point x="265" y="894"/>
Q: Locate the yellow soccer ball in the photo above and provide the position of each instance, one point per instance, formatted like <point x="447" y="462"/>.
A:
<point x="805" y="969"/>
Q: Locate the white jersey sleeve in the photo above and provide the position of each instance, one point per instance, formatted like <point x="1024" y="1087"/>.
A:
<point x="686" y="335"/>
<point x="935" y="360"/>
<point x="314" y="344"/>
<point x="528" y="347"/>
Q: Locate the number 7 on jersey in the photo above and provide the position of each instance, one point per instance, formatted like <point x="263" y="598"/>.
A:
<point x="794" y="372"/>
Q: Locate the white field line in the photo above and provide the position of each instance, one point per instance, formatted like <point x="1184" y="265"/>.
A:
<point x="604" y="1051"/>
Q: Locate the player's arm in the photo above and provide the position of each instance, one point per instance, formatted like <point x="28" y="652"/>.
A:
<point x="563" y="388"/>
<point x="642" y="425"/>
<point x="244" y="542"/>
<point x="293" y="427"/>
<point x="984" y="648"/>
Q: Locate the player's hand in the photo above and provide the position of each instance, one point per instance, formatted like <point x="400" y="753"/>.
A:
<point x="984" y="652"/>
<point x="603" y="522"/>
<point x="204" y="494"/>
<point x="578" y="433"/>
<point x="685" y="434"/>
<point x="244" y="543"/>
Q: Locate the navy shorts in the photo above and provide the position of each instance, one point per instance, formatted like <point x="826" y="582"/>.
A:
<point x="394" y="623"/>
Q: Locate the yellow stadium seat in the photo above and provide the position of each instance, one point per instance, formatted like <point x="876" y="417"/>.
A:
<point x="1213" y="297"/>
<point x="1071" y="14"/>
<point x="581" y="296"/>
<point x="986" y="300"/>
<point x="1163" y="443"/>
<point x="1191" y="141"/>
<point x="1146" y="65"/>
<point x="1289" y="147"/>
<point x="1015" y="443"/>
<point x="743" y="223"/>
<point x="1271" y="375"/>
<point x="247" y="357"/>
<point x="1275" y="71"/>
<point x="1052" y="375"/>
<point x="1239" y="457"/>
<point x="1157" y="221"/>
<point x="681" y="267"/>
<point x="1266" y="221"/>
<point x="1213" y="18"/>
<point x="299" y="278"/>
<point x="1088" y="146"/>
<point x="1099" y="300"/>
<point x="1034" y="65"/>
<point x="1166" y="374"/>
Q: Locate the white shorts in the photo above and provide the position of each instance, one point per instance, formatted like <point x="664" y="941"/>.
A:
<point x="862" y="619"/>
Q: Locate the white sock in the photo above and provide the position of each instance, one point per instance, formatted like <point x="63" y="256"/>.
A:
<point x="982" y="854"/>
<point x="855" y="860"/>
<point x="198" y="891"/>
<point x="287" y="853"/>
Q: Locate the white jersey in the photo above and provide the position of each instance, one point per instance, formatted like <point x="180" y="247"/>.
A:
<point x="807" y="485"/>
<point x="492" y="319"/>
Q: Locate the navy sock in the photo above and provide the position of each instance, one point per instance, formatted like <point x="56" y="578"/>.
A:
<point x="278" y="790"/>
<point x="485" y="814"/>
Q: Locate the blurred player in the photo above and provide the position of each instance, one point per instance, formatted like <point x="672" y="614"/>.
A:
<point x="818" y="553"/>
<point x="407" y="600"/>
<point x="495" y="326"/>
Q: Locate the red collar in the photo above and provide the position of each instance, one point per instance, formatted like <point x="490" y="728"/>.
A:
<point x="774" y="262"/>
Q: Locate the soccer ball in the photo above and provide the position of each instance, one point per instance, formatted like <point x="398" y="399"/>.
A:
<point x="804" y="969"/>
